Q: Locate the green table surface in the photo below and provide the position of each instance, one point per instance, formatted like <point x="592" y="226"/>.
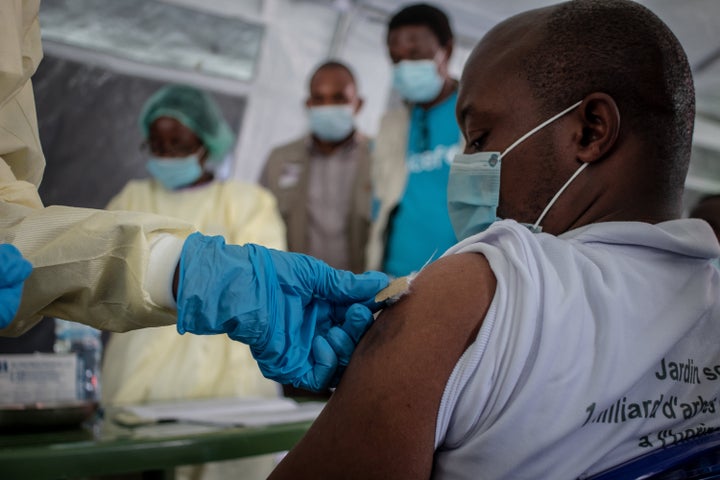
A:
<point x="103" y="447"/>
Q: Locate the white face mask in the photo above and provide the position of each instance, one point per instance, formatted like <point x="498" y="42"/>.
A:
<point x="332" y="123"/>
<point x="417" y="81"/>
<point x="474" y="187"/>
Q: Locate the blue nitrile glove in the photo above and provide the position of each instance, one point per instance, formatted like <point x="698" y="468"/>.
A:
<point x="14" y="269"/>
<point x="344" y="338"/>
<point x="331" y="351"/>
<point x="283" y="305"/>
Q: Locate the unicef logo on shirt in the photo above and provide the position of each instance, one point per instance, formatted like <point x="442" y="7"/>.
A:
<point x="430" y="160"/>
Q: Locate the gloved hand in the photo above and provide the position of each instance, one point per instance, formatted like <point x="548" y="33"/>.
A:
<point x="283" y="305"/>
<point x="344" y="338"/>
<point x="14" y="269"/>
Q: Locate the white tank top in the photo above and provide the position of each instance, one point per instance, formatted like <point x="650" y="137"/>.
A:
<point x="599" y="345"/>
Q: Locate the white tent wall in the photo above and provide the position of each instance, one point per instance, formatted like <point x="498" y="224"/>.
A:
<point x="299" y="34"/>
<point x="297" y="37"/>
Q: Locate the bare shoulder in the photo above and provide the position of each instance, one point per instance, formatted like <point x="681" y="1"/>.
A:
<point x="380" y="422"/>
<point x="448" y="298"/>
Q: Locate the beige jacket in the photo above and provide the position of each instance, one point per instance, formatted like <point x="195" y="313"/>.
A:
<point x="88" y="265"/>
<point x="389" y="175"/>
<point x="293" y="199"/>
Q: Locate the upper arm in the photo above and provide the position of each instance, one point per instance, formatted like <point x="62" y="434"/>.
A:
<point x="380" y="422"/>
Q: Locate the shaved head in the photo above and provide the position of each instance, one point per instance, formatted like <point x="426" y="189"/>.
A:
<point x="633" y="123"/>
<point x="621" y="48"/>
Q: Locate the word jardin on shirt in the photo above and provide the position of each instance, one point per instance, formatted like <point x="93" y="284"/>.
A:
<point x="686" y="372"/>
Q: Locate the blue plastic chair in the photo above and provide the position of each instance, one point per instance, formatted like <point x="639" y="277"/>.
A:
<point x="694" y="459"/>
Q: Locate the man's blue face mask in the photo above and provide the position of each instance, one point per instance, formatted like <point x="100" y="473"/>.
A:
<point x="417" y="81"/>
<point x="332" y="123"/>
<point x="474" y="187"/>
<point x="174" y="173"/>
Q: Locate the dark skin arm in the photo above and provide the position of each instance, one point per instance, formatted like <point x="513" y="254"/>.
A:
<point x="380" y="422"/>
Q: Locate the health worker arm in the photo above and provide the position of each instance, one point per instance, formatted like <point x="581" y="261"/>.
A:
<point x="380" y="422"/>
<point x="89" y="266"/>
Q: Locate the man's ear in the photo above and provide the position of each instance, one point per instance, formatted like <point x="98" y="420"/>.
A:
<point x="600" y="121"/>
<point x="359" y="105"/>
<point x="307" y="103"/>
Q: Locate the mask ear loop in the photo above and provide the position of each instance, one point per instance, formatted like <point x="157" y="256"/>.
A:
<point x="557" y="195"/>
<point x="539" y="127"/>
<point x="532" y="132"/>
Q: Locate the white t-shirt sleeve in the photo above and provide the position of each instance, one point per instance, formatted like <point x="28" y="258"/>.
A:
<point x="495" y="361"/>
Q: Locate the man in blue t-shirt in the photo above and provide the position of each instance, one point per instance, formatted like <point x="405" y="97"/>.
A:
<point x="411" y="222"/>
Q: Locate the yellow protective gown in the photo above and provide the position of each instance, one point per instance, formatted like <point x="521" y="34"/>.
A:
<point x="88" y="265"/>
<point x="157" y="363"/>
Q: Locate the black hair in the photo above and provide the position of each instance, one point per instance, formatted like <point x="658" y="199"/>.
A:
<point x="330" y="64"/>
<point x="423" y="14"/>
<point x="622" y="49"/>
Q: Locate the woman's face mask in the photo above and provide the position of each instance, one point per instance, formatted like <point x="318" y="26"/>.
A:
<point x="176" y="172"/>
<point x="474" y="187"/>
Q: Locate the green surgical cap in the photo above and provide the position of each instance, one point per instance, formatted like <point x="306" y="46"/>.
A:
<point x="194" y="109"/>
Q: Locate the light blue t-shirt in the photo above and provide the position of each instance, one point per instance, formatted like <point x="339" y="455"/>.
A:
<point x="421" y="229"/>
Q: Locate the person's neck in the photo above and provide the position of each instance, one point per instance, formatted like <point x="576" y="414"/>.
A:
<point x="640" y="205"/>
<point x="328" y="148"/>
<point x="625" y="185"/>
<point x="206" y="177"/>
<point x="449" y="86"/>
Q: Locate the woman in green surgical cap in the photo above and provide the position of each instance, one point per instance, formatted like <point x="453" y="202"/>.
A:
<point x="185" y="131"/>
<point x="186" y="135"/>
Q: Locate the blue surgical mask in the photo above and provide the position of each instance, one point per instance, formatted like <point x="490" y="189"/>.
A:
<point x="174" y="173"/>
<point x="474" y="187"/>
<point x="417" y="81"/>
<point x="332" y="123"/>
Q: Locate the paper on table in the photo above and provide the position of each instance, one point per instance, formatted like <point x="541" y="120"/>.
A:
<point x="224" y="411"/>
<point x="37" y="377"/>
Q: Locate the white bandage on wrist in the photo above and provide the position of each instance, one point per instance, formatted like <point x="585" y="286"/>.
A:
<point x="164" y="256"/>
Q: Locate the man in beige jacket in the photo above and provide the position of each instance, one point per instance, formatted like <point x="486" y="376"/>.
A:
<point x="322" y="180"/>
